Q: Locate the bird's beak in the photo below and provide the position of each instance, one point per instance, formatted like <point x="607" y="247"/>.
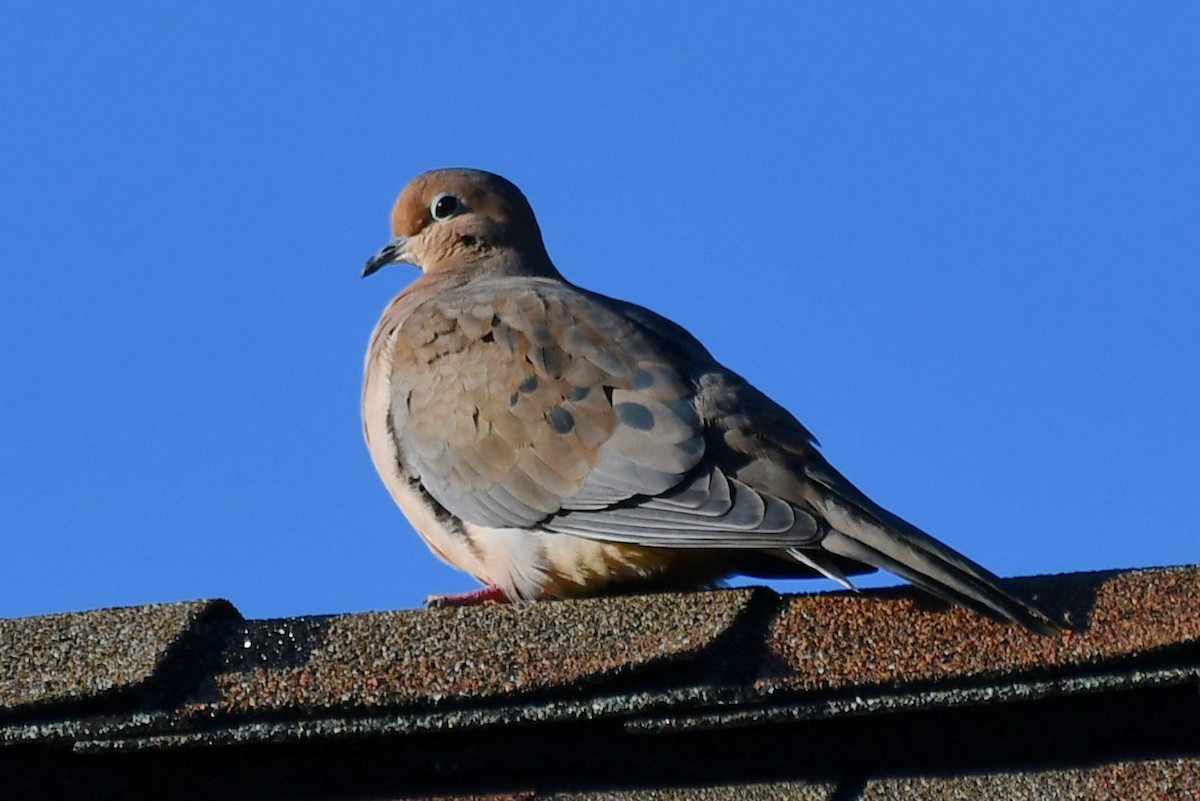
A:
<point x="394" y="251"/>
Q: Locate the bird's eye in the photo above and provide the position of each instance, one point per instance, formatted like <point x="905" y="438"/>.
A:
<point x="445" y="206"/>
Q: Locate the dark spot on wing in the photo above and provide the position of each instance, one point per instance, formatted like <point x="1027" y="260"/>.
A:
<point x="529" y="384"/>
<point x="561" y="420"/>
<point x="579" y="393"/>
<point x="643" y="379"/>
<point x="635" y="415"/>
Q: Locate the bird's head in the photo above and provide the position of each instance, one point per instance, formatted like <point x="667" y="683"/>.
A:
<point x="456" y="219"/>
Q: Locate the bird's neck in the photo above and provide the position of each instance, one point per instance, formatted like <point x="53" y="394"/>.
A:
<point x="497" y="263"/>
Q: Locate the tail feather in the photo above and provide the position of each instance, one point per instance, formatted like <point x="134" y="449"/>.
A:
<point x="821" y="563"/>
<point x="862" y="530"/>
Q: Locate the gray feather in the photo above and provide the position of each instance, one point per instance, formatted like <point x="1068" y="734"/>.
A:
<point x="864" y="531"/>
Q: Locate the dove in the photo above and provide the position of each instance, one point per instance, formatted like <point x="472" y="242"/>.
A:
<point x="553" y="442"/>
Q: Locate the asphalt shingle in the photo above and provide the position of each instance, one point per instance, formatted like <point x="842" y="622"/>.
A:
<point x="1162" y="780"/>
<point x="707" y="695"/>
<point x="427" y="657"/>
<point x="55" y="659"/>
<point x="897" y="637"/>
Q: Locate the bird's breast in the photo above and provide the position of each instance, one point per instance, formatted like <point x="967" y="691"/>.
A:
<point x="539" y="565"/>
<point x="442" y="533"/>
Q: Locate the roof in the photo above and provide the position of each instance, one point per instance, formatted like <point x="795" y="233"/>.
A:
<point x="723" y="694"/>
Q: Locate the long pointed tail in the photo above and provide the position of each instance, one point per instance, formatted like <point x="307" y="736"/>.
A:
<point x="862" y="530"/>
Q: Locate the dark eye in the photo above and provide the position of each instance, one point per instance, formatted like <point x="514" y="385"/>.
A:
<point x="445" y="206"/>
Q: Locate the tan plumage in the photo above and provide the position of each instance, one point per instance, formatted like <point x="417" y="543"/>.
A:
<point x="554" y="442"/>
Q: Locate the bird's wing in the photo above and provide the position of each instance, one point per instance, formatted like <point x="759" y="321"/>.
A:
<point x="530" y="403"/>
<point x="769" y="450"/>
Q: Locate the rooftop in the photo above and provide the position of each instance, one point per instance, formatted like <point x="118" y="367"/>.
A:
<point x="723" y="694"/>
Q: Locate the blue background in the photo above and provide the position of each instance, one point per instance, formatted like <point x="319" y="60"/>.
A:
<point x="959" y="241"/>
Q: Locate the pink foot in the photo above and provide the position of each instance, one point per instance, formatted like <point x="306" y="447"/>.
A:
<point x="491" y="594"/>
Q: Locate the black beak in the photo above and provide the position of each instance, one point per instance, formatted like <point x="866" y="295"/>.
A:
<point x="390" y="253"/>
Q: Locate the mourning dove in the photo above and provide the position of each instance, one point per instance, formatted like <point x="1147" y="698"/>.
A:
<point x="553" y="442"/>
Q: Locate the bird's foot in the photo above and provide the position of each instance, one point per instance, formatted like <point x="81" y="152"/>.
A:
<point x="491" y="594"/>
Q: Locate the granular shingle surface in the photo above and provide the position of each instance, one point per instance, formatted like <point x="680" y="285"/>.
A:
<point x="527" y="796"/>
<point x="711" y="695"/>
<point x="69" y="657"/>
<point x="893" y="638"/>
<point x="776" y="791"/>
<point x="1161" y="780"/>
<point x="426" y="657"/>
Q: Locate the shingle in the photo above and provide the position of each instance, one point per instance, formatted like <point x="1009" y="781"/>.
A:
<point x="502" y="652"/>
<point x="524" y="796"/>
<point x="1162" y="780"/>
<point x="897" y="637"/>
<point x="678" y="696"/>
<point x="772" y="791"/>
<point x="688" y="657"/>
<point x="83" y="655"/>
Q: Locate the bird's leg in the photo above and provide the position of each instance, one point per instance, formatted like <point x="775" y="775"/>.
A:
<point x="491" y="594"/>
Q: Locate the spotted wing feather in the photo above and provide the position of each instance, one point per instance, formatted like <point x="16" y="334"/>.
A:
<point x="533" y="404"/>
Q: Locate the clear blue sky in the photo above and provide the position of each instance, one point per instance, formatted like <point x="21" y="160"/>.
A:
<point x="960" y="241"/>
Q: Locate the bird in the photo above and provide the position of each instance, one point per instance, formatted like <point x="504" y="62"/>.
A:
<point x="553" y="442"/>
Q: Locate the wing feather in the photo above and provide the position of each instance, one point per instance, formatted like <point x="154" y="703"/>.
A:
<point x="573" y="417"/>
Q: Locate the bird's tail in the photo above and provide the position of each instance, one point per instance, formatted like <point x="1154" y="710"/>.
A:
<point x="861" y="530"/>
